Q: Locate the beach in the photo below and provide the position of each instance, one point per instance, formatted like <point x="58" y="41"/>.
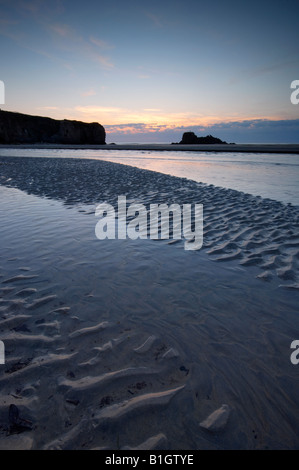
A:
<point x="259" y="148"/>
<point x="103" y="336"/>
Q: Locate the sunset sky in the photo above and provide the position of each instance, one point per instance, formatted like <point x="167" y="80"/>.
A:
<point x="150" y="70"/>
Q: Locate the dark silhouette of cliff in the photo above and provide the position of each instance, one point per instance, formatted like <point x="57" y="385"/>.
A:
<point x="191" y="138"/>
<point x="17" y="128"/>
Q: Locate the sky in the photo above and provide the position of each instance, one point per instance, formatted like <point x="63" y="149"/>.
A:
<point x="150" y="70"/>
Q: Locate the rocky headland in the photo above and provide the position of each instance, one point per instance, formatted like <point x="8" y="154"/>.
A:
<point x="17" y="128"/>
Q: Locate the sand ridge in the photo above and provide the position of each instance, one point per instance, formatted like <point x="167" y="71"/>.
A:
<point x="254" y="230"/>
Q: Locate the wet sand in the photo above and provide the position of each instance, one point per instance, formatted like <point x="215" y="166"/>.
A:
<point x="246" y="148"/>
<point x="104" y="336"/>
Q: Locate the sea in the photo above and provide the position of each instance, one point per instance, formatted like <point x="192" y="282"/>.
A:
<point x="268" y="175"/>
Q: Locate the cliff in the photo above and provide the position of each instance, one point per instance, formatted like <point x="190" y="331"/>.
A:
<point x="17" y="128"/>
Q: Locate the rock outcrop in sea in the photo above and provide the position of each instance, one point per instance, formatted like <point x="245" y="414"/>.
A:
<point x="191" y="138"/>
<point x="17" y="128"/>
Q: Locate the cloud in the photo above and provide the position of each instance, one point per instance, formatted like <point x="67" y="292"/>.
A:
<point x="6" y="22"/>
<point x="64" y="30"/>
<point x="121" y="128"/>
<point x="65" y="39"/>
<point x="32" y="6"/>
<point x="47" y="108"/>
<point x="76" y="43"/>
<point x="258" y="71"/>
<point x="100" y="43"/>
<point x="247" y="131"/>
<point x="40" y="9"/>
<point x="156" y="125"/>
<point x="156" y="21"/>
<point x="10" y="28"/>
<point x="149" y="116"/>
<point x="99" y="110"/>
<point x="103" y="61"/>
<point x="90" y="92"/>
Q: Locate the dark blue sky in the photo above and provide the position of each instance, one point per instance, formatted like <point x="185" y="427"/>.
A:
<point x="147" y="69"/>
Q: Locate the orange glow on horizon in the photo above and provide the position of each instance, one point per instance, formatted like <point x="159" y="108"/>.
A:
<point x="128" y="121"/>
<point x="150" y="120"/>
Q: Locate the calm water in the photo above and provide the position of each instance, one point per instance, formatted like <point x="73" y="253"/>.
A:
<point x="274" y="176"/>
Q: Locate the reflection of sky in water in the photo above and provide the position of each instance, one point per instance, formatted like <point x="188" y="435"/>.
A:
<point x="274" y="176"/>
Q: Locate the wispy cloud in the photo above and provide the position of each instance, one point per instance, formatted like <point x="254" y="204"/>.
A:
<point x="100" y="43"/>
<point x="33" y="6"/>
<point x="66" y="42"/>
<point x="105" y="62"/>
<point x="152" y="117"/>
<point x="99" y="110"/>
<point x="47" y="108"/>
<point x="64" y="30"/>
<point x="40" y="9"/>
<point x="90" y="92"/>
<point x="10" y="29"/>
<point x="79" y="45"/>
<point x="156" y="20"/>
<point x="266" y="69"/>
<point x="7" y="22"/>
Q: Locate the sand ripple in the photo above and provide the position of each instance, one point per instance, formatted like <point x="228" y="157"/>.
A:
<point x="237" y="226"/>
<point x="98" y="343"/>
<point x="48" y="371"/>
